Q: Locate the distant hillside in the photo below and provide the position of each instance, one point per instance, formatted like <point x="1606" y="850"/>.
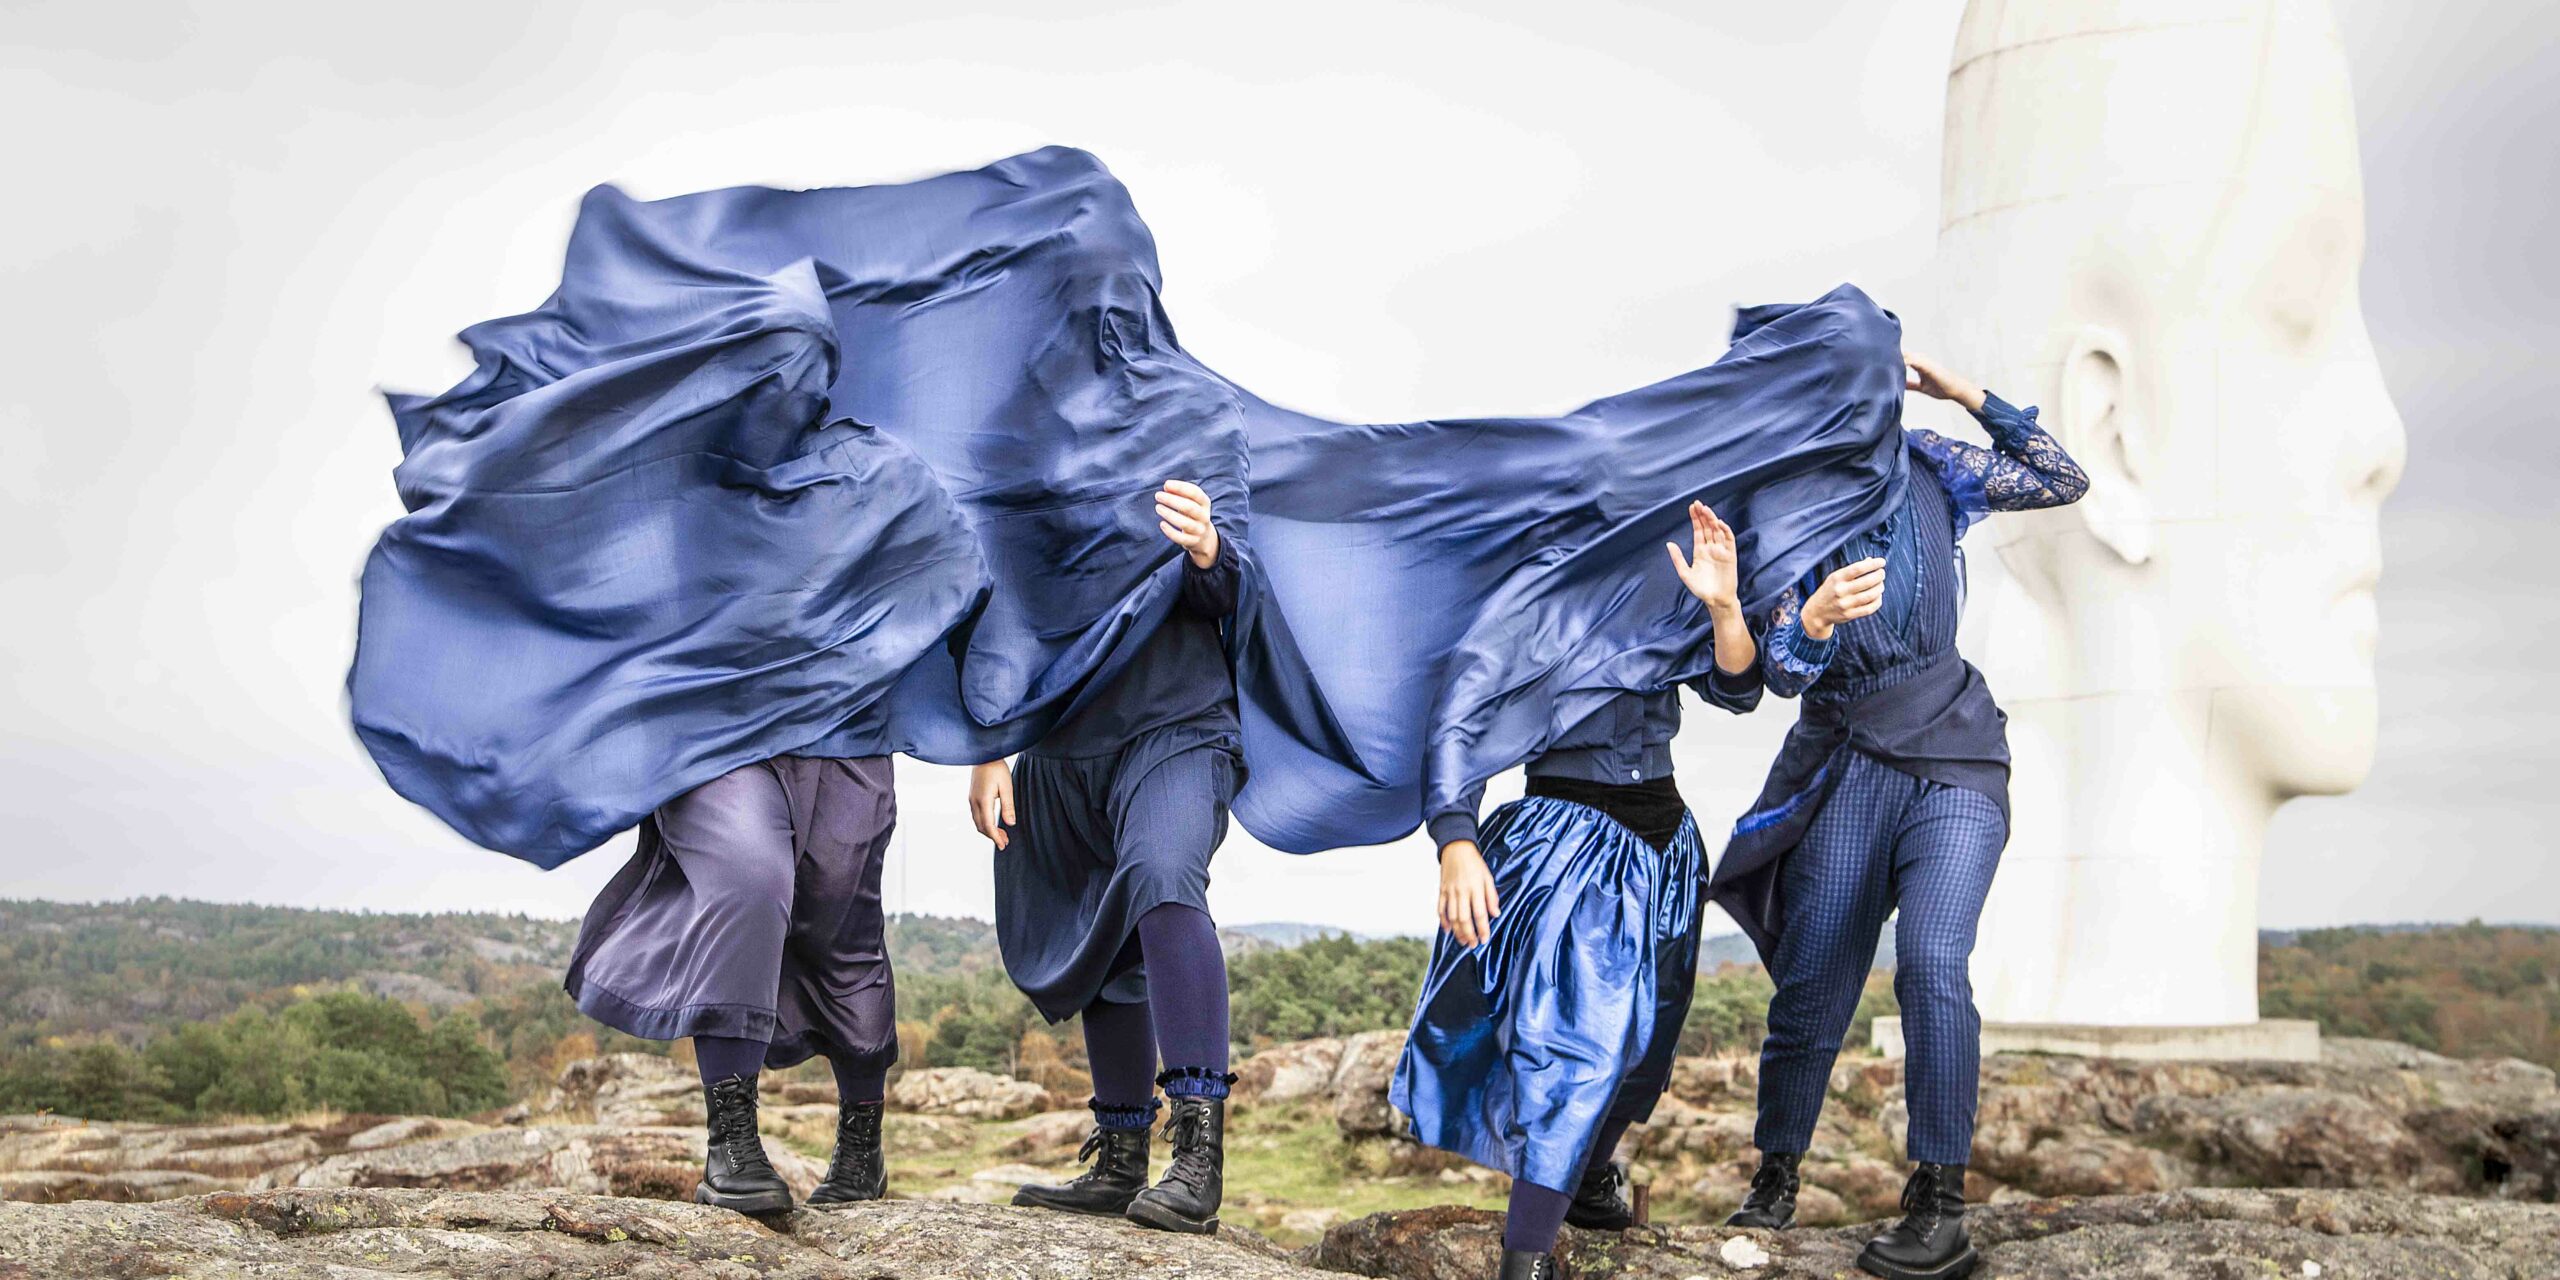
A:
<point x="127" y="969"/>
<point x="2469" y="990"/>
<point x="132" y="974"/>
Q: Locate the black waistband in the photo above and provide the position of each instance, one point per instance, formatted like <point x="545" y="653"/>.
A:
<point x="1652" y="808"/>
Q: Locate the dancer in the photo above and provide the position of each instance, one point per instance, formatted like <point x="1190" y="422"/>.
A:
<point x="1891" y="792"/>
<point x="749" y="920"/>
<point x="1557" y="990"/>
<point x="1102" y="877"/>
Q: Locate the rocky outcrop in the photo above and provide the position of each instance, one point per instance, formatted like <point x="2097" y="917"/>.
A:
<point x="343" y="1235"/>
<point x="2350" y="1235"/>
<point x="348" y="1234"/>
<point x="626" y="1089"/>
<point x="590" y="1159"/>
<point x="968" y="1092"/>
<point x="53" y="1158"/>
<point x="2368" y="1114"/>
<point x="1350" y="1075"/>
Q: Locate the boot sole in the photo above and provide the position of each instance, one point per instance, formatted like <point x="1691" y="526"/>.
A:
<point x="1149" y="1214"/>
<point x="1025" y="1199"/>
<point x="1955" y="1268"/>
<point x="830" y="1206"/>
<point x="760" y="1203"/>
<point x="1601" y="1224"/>
<point x="1787" y="1225"/>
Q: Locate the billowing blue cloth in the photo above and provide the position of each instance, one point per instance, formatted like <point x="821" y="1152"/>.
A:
<point x="639" y="556"/>
<point x="1461" y="592"/>
<point x="1521" y="1045"/>
<point x="1425" y="604"/>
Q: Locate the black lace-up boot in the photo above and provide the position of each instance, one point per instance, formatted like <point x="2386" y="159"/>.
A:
<point x="858" y="1172"/>
<point x="1600" y="1203"/>
<point x="735" y="1173"/>
<point x="1520" y="1264"/>
<point x="1118" y="1174"/>
<point x="1187" y="1197"/>
<point x="1772" y="1202"/>
<point x="1930" y="1242"/>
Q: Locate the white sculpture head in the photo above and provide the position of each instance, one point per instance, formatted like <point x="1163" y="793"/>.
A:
<point x="2153" y="225"/>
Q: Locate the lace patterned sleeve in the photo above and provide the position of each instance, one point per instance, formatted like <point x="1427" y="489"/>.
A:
<point x="1791" y="661"/>
<point x="2026" y="469"/>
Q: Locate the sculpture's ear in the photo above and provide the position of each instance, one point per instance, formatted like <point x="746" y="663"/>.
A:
<point x="2108" y="436"/>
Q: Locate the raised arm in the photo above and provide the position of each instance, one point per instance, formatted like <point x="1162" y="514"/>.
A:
<point x="2025" y="469"/>
<point x="1209" y="568"/>
<point x="1710" y="572"/>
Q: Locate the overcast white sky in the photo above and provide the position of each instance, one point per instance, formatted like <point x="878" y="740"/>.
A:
<point x="227" y="224"/>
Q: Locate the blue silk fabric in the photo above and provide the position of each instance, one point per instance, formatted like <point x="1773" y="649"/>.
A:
<point x="1521" y="1045"/>
<point x="858" y="471"/>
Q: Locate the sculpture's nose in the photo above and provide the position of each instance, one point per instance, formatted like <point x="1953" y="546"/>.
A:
<point x="2377" y="441"/>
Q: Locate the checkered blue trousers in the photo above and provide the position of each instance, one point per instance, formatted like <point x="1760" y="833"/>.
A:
<point x="1884" y="840"/>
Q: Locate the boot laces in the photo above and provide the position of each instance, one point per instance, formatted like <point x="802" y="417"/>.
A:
<point x="1188" y="1130"/>
<point x="857" y="1137"/>
<point x="1086" y="1154"/>
<point x="1920" y="1200"/>
<point x="1768" y="1182"/>
<point x="737" y="1128"/>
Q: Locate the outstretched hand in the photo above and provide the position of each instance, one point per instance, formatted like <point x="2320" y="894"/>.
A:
<point x="1711" y="569"/>
<point x="1182" y="511"/>
<point x="1932" y="379"/>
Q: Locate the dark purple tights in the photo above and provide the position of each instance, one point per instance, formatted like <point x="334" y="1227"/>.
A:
<point x="1185" y="1016"/>
<point x="721" y="1057"/>
<point x="1536" y="1214"/>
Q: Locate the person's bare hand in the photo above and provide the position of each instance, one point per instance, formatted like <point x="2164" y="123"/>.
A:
<point x="1711" y="570"/>
<point x="1182" y="511"/>
<point x="991" y="800"/>
<point x="1853" y="592"/>
<point x="1468" y="903"/>
<point x="1930" y="378"/>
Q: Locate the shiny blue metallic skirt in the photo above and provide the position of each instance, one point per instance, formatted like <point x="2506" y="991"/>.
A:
<point x="1519" y="1046"/>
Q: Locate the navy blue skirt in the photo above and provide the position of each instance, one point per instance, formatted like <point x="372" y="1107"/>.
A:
<point x="1522" y="1046"/>
<point x="1099" y="841"/>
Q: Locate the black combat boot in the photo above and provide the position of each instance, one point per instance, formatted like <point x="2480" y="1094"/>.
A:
<point x="1600" y="1203"/>
<point x="1117" y="1176"/>
<point x="1520" y="1264"/>
<point x="858" y="1172"/>
<point x="735" y="1173"/>
<point x="1772" y="1202"/>
<point x="1929" y="1243"/>
<point x="1186" y="1199"/>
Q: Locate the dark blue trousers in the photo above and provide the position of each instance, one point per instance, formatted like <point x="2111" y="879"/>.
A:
<point x="1884" y="840"/>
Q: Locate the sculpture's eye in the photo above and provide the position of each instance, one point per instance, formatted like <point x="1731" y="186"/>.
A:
<point x="2311" y="252"/>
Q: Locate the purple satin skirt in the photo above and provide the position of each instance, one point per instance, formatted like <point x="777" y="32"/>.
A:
<point x="752" y="910"/>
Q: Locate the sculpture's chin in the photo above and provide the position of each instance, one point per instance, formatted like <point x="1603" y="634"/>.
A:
<point x="2305" y="740"/>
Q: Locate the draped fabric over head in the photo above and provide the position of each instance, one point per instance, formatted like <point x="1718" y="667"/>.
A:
<point x="867" y="470"/>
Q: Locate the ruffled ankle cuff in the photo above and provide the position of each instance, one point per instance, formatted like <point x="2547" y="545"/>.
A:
<point x="1195" y="1082"/>
<point x="1110" y="1117"/>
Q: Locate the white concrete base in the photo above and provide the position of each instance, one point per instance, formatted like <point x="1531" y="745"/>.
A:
<point x="2273" y="1039"/>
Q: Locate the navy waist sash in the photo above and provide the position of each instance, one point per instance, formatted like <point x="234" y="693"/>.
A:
<point x="1940" y="723"/>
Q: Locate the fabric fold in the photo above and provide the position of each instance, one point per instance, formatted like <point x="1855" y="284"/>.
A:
<point x="860" y="471"/>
